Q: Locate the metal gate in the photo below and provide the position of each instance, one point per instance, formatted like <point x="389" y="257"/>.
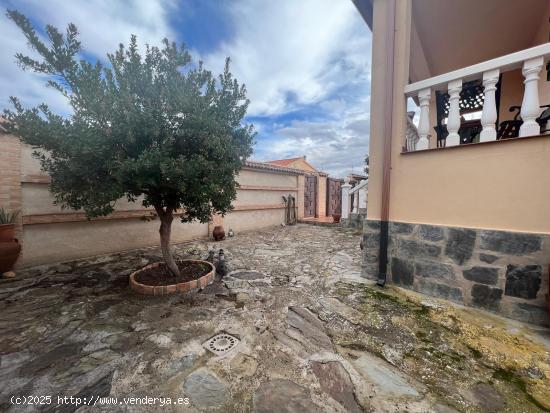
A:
<point x="334" y="196"/>
<point x="310" y="196"/>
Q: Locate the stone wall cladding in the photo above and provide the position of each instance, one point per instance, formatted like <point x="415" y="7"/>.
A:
<point x="500" y="271"/>
<point x="354" y="221"/>
<point x="371" y="246"/>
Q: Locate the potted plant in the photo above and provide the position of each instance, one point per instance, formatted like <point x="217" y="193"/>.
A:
<point x="9" y="245"/>
<point x="7" y="225"/>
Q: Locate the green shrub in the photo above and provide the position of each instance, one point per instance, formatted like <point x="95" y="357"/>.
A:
<point x="7" y="217"/>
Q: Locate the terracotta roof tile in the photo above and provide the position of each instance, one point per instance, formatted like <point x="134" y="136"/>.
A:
<point x="270" y="167"/>
<point x="283" y="162"/>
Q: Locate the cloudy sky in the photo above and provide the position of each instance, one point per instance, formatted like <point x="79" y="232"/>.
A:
<point x="306" y="63"/>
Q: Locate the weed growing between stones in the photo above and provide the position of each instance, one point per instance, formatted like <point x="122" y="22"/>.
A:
<point x="450" y="351"/>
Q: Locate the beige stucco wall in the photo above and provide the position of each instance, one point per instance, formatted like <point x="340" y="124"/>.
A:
<point x="62" y="241"/>
<point x="48" y="243"/>
<point x="246" y="197"/>
<point x="378" y="81"/>
<point x="419" y="68"/>
<point x="503" y="185"/>
<point x="256" y="177"/>
<point x="543" y="32"/>
<point x="248" y="220"/>
<point x="37" y="199"/>
<point x="498" y="186"/>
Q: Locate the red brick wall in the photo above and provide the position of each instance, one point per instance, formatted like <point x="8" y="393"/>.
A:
<point x="10" y="176"/>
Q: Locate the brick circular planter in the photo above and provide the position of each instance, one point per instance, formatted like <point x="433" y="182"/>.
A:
<point x="183" y="287"/>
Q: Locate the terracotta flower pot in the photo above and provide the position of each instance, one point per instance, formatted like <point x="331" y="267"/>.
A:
<point x="218" y="233"/>
<point x="336" y="218"/>
<point x="7" y="232"/>
<point x="9" y="253"/>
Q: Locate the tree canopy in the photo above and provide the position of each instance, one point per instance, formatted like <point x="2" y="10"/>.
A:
<point x="148" y="124"/>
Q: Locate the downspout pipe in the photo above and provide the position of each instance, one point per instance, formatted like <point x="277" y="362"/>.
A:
<point x="387" y="137"/>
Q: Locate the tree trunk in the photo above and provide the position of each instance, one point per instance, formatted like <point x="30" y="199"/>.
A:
<point x="165" y="231"/>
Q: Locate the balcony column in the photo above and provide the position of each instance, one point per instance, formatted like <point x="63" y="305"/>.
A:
<point x="530" y="106"/>
<point x="424" y="121"/>
<point x="362" y="196"/>
<point x="356" y="202"/>
<point x="345" y="199"/>
<point x="489" y="115"/>
<point x="453" y="120"/>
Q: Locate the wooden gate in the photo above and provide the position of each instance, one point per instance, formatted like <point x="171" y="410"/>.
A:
<point x="310" y="196"/>
<point x="334" y="196"/>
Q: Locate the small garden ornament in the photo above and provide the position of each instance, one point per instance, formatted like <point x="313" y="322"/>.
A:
<point x="221" y="266"/>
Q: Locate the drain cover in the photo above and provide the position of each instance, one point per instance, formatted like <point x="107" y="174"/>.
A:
<point x="247" y="275"/>
<point x="221" y="344"/>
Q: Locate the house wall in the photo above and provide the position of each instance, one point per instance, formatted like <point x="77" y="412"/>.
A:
<point x="379" y="82"/>
<point x="49" y="234"/>
<point x="543" y="31"/>
<point x="499" y="185"/>
<point x="493" y="188"/>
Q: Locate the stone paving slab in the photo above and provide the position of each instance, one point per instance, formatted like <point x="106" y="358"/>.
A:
<point x="314" y="336"/>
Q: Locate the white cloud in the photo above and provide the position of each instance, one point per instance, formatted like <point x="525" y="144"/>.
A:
<point x="334" y="145"/>
<point x="102" y="24"/>
<point x="310" y="57"/>
<point x="291" y="53"/>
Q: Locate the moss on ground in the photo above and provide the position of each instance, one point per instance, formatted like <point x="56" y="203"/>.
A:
<point x="450" y="349"/>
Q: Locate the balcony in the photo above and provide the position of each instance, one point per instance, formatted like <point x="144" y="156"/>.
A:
<point x="478" y="88"/>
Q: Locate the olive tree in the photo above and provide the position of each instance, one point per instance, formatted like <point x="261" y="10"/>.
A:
<point x="148" y="126"/>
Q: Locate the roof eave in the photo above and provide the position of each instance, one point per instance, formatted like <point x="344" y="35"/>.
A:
<point x="365" y="9"/>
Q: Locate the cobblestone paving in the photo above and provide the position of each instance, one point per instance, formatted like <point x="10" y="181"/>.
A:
<point x="313" y="336"/>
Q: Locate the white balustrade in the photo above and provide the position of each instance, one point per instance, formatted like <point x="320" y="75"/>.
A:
<point x="530" y="106"/>
<point x="359" y="193"/>
<point x="424" y="122"/>
<point x="453" y="120"/>
<point x="530" y="60"/>
<point x="489" y="115"/>
<point x="362" y="195"/>
<point x="345" y="198"/>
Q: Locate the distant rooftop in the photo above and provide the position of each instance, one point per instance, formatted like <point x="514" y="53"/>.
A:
<point x="285" y="162"/>
<point x="272" y="167"/>
<point x="299" y="162"/>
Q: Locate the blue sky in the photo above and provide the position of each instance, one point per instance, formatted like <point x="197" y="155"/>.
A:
<point x="306" y="63"/>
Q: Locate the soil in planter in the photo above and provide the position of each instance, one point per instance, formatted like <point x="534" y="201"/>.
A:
<point x="160" y="275"/>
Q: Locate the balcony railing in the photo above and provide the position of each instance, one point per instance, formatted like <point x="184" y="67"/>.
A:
<point x="359" y="193"/>
<point x="530" y="60"/>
